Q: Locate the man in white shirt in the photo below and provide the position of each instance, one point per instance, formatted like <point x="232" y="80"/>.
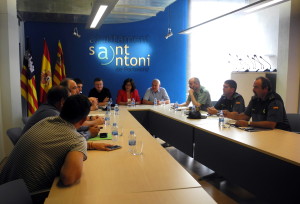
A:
<point x="157" y="92"/>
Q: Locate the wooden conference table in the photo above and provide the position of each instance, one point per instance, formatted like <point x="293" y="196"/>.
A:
<point x="119" y="177"/>
<point x="266" y="162"/>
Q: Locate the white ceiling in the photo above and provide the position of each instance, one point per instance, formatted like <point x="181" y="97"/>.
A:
<point x="77" y="11"/>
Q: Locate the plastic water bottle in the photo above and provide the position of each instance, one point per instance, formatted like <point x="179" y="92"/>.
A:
<point x="132" y="102"/>
<point x="114" y="132"/>
<point x="128" y="102"/>
<point x="221" y="119"/>
<point x="176" y="106"/>
<point x="109" y="105"/>
<point x="131" y="141"/>
<point x="107" y="118"/>
<point x="193" y="108"/>
<point x="155" y="102"/>
<point x="116" y="109"/>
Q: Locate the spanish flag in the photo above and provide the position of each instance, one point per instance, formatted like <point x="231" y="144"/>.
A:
<point x="46" y="76"/>
<point x="28" y="86"/>
<point x="60" y="70"/>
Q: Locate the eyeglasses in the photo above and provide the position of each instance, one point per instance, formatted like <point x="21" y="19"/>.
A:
<point x="74" y="87"/>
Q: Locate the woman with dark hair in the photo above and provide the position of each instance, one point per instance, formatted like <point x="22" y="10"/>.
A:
<point x="127" y="93"/>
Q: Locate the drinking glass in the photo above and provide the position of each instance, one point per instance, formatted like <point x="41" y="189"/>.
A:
<point x="138" y="148"/>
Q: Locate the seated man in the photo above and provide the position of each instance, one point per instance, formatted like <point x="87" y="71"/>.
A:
<point x="79" y="85"/>
<point x="266" y="108"/>
<point x="230" y="100"/>
<point x="157" y="92"/>
<point x="93" y="100"/>
<point x="198" y="95"/>
<point x="71" y="85"/>
<point x="100" y="92"/>
<point x="52" y="148"/>
<point x="56" y="97"/>
<point x="74" y="89"/>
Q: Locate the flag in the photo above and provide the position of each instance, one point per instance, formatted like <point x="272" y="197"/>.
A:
<point x="28" y="86"/>
<point x="46" y="81"/>
<point x="60" y="70"/>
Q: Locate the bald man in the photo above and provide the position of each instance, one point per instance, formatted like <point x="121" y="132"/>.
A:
<point x="158" y="92"/>
<point x="198" y="95"/>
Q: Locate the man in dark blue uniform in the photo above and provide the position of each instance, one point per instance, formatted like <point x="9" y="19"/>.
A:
<point x="266" y="108"/>
<point x="230" y="100"/>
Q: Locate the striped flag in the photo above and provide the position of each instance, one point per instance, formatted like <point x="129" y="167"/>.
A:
<point x="60" y="70"/>
<point x="28" y="86"/>
<point x="46" y="76"/>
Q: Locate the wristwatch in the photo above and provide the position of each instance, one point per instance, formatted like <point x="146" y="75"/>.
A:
<point x="249" y="123"/>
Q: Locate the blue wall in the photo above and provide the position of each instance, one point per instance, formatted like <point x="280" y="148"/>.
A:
<point x="168" y="58"/>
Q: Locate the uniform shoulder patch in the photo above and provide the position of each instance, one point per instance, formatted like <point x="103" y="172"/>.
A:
<point x="237" y="102"/>
<point x="275" y="107"/>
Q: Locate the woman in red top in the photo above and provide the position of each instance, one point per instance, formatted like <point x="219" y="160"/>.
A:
<point x="127" y="93"/>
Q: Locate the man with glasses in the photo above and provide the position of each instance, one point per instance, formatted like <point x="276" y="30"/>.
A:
<point x="71" y="85"/>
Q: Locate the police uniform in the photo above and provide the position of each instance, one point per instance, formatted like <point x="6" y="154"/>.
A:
<point x="236" y="104"/>
<point x="271" y="109"/>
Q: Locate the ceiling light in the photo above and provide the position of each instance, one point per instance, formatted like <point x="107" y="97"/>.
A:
<point x="100" y="9"/>
<point x="249" y="8"/>
<point x="263" y="5"/>
<point x="98" y="16"/>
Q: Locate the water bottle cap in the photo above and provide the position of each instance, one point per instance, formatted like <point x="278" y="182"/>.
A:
<point x="114" y="124"/>
<point x="131" y="132"/>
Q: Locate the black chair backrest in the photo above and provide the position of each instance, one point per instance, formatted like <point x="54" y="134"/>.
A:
<point x="213" y="103"/>
<point x="294" y="120"/>
<point x="14" y="134"/>
<point x="25" y="120"/>
<point x="15" y="192"/>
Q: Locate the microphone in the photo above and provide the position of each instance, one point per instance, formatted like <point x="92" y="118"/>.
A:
<point x="266" y="70"/>
<point x="239" y="62"/>
<point x="253" y="63"/>
<point x="256" y="59"/>
<point x="232" y="61"/>
<point x="246" y="70"/>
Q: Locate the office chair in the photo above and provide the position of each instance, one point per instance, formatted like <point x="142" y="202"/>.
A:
<point x="15" y="192"/>
<point x="213" y="103"/>
<point x="14" y="134"/>
<point x="294" y="120"/>
<point x="25" y="120"/>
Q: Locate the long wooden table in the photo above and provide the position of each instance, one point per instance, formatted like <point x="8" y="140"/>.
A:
<point x="267" y="162"/>
<point x="118" y="175"/>
<point x="177" y="196"/>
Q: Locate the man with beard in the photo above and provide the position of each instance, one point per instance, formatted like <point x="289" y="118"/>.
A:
<point x="198" y="95"/>
<point x="266" y="108"/>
